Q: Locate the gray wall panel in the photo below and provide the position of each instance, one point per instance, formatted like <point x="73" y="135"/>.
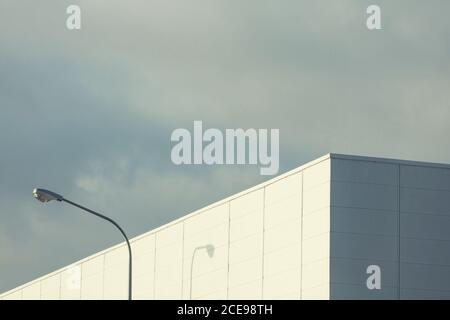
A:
<point x="364" y="172"/>
<point x="364" y="221"/>
<point x="352" y="271"/>
<point x="425" y="251"/>
<point x="425" y="201"/>
<point x="348" y="291"/>
<point x="414" y="294"/>
<point x="425" y="226"/>
<point x="425" y="177"/>
<point x="360" y="195"/>
<point x="425" y="277"/>
<point x="346" y="245"/>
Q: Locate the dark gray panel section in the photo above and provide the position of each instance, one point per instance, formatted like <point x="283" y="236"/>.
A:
<point x="353" y="292"/>
<point x="425" y="251"/>
<point x="425" y="201"/>
<point x="364" y="172"/>
<point x="356" y="246"/>
<point x="359" y="195"/>
<point x="425" y="277"/>
<point x="351" y="271"/>
<point x="425" y="226"/>
<point x="414" y="294"/>
<point x="425" y="177"/>
<point x="364" y="221"/>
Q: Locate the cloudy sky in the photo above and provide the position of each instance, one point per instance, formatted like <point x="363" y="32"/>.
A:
<point x="89" y="113"/>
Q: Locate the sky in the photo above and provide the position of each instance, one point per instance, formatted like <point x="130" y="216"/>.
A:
<point x="89" y="113"/>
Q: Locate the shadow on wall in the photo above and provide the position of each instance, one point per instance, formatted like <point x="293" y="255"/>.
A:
<point x="210" y="251"/>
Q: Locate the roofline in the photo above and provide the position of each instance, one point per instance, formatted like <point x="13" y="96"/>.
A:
<point x="389" y="160"/>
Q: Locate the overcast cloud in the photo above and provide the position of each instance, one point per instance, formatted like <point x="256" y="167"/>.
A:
<point x="90" y="113"/>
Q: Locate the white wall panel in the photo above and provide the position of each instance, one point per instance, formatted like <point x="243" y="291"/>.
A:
<point x="143" y="267"/>
<point x="283" y="235"/>
<point x="169" y="262"/>
<point x="245" y="249"/>
<point x="316" y="175"/>
<point x="71" y="283"/>
<point x="283" y="189"/>
<point x="50" y="287"/>
<point x="116" y="274"/>
<point x="168" y="273"/>
<point x="282" y="259"/>
<point x="283" y="285"/>
<point x="317" y="293"/>
<point x="210" y="283"/>
<point x="252" y="202"/>
<point x="250" y="290"/>
<point x="246" y="226"/>
<point x="316" y="248"/>
<point x="32" y="291"/>
<point x="316" y="198"/>
<point x="283" y="211"/>
<point x="245" y="271"/>
<point x="315" y="274"/>
<point x="246" y="246"/>
<point x="16" y="295"/>
<point x="316" y="224"/>
<point x="206" y="220"/>
<point x="92" y="278"/>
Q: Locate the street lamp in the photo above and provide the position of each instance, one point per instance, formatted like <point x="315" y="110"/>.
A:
<point x="46" y="196"/>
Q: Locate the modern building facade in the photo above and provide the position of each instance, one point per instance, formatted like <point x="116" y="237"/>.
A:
<point x="310" y="233"/>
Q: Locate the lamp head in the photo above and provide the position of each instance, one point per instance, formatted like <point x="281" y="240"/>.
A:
<point x="46" y="195"/>
<point x="210" y="250"/>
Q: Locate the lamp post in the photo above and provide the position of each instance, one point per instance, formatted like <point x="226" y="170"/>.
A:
<point x="46" y="196"/>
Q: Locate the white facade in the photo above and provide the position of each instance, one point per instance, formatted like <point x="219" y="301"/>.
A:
<point x="307" y="234"/>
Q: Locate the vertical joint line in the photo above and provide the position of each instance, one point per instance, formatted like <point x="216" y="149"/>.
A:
<point x="229" y="245"/>
<point x="182" y="264"/>
<point x="81" y="280"/>
<point x="263" y="236"/>
<point x="154" y="270"/>
<point x="398" y="229"/>
<point x="103" y="276"/>
<point x="60" y="284"/>
<point x="301" y="241"/>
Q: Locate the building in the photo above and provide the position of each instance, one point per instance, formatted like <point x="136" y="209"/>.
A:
<point x="310" y="233"/>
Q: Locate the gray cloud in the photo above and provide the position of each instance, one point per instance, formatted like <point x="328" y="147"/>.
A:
<point x="90" y="113"/>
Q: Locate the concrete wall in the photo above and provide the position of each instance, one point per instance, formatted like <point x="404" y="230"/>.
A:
<point x="270" y="242"/>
